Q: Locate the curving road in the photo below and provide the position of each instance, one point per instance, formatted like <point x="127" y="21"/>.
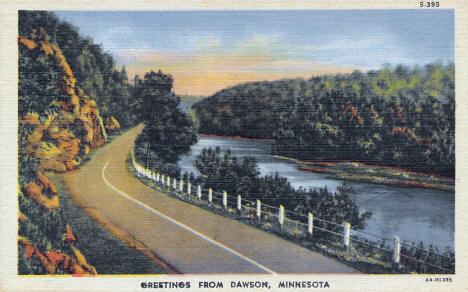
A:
<point x="192" y="240"/>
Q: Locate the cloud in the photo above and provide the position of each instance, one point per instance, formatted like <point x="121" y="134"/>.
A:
<point x="204" y="74"/>
<point x="214" y="65"/>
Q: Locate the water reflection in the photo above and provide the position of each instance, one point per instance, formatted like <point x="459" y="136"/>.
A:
<point x="412" y="214"/>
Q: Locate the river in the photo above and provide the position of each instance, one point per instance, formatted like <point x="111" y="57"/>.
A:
<point x="413" y="214"/>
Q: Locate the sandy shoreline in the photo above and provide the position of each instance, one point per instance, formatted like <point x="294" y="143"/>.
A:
<point x="376" y="174"/>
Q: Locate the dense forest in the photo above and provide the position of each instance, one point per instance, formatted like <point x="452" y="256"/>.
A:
<point x="397" y="116"/>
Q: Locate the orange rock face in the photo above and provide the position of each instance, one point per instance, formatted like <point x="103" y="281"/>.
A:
<point x="112" y="124"/>
<point x="78" y="126"/>
<point x="52" y="259"/>
<point x="69" y="236"/>
<point x="43" y="192"/>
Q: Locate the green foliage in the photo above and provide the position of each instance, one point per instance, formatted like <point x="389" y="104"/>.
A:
<point x="223" y="172"/>
<point x="30" y="266"/>
<point x="93" y="68"/>
<point x="37" y="83"/>
<point x="397" y="116"/>
<point x="168" y="131"/>
<point x="27" y="164"/>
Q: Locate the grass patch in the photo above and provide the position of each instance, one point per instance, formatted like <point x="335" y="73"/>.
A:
<point x="101" y="249"/>
<point x="360" y="172"/>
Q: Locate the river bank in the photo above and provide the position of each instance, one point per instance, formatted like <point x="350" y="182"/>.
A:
<point x="375" y="174"/>
<point x="405" y="212"/>
<point x="362" y="172"/>
<point x="235" y="138"/>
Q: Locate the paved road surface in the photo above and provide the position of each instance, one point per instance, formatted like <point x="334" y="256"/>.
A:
<point x="192" y="240"/>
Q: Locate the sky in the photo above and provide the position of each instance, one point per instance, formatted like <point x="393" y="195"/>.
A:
<point x="206" y="51"/>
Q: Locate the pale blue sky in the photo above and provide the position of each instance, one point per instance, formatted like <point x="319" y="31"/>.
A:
<point x="294" y="40"/>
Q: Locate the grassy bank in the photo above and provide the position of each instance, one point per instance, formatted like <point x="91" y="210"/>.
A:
<point x="103" y="250"/>
<point x="361" y="172"/>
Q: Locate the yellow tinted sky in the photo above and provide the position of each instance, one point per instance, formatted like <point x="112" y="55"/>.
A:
<point x="205" y="74"/>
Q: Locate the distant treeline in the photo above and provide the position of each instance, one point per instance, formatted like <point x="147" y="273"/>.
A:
<point x="394" y="116"/>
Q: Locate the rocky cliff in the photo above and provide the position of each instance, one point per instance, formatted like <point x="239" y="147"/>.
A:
<point x="58" y="142"/>
<point x="76" y="129"/>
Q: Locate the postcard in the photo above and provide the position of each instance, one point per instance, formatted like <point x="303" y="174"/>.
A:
<point x="258" y="146"/>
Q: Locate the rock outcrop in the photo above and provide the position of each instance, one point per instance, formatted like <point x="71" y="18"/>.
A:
<point x="76" y="129"/>
<point x="52" y="259"/>
<point x="42" y="191"/>
<point x="112" y="125"/>
<point x="58" y="142"/>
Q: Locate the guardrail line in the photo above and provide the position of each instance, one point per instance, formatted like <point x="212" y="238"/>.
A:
<point x="272" y="216"/>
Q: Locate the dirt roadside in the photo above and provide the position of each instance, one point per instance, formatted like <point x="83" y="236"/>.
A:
<point x="69" y="178"/>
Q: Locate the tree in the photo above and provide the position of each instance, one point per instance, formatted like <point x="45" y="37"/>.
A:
<point x="168" y="131"/>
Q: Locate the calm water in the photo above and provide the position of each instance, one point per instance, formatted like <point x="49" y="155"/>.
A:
<point x="413" y="214"/>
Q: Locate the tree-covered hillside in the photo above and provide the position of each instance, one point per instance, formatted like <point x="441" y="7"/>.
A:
<point x="70" y="95"/>
<point x="94" y="69"/>
<point x="394" y="116"/>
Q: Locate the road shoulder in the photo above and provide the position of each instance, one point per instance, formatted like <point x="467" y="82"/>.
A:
<point x="69" y="180"/>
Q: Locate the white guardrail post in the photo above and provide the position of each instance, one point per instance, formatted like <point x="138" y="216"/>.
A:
<point x="174" y="184"/>
<point x="396" y="251"/>
<point x="199" y="192"/>
<point x="281" y="216"/>
<point x="189" y="188"/>
<point x="259" y="210"/>
<point x="346" y="235"/>
<point x="239" y="203"/>
<point x="225" y="200"/>
<point x="210" y="196"/>
<point x="310" y="225"/>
